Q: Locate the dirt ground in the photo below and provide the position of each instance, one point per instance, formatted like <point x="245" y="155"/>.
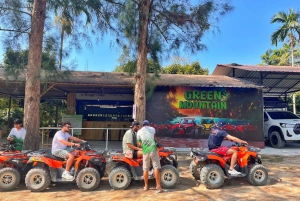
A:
<point x="283" y="184"/>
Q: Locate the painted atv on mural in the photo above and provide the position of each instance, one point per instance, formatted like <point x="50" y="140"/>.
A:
<point x="187" y="127"/>
<point x="207" y="123"/>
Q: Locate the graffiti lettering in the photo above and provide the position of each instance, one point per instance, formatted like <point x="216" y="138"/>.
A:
<point x="202" y="95"/>
<point x="202" y="105"/>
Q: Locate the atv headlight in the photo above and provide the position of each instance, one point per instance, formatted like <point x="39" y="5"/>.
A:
<point x="284" y="125"/>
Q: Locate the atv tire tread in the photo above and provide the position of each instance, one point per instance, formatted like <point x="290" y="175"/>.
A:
<point x="80" y="182"/>
<point x="15" y="178"/>
<point x="251" y="175"/>
<point x="175" y="173"/>
<point x="121" y="169"/>
<point x="193" y="169"/>
<point x="45" y="177"/>
<point x="206" y="176"/>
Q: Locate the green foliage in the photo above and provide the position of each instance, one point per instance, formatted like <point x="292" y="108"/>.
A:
<point x="290" y="27"/>
<point x="280" y="57"/>
<point x="190" y="69"/>
<point x="290" y="102"/>
<point x="173" y="25"/>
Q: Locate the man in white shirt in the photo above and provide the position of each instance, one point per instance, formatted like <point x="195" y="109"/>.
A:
<point x="59" y="145"/>
<point x="17" y="134"/>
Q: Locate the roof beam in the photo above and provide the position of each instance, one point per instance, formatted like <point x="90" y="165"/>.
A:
<point x="47" y="90"/>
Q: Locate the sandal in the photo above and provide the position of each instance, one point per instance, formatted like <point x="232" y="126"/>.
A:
<point x="160" y="191"/>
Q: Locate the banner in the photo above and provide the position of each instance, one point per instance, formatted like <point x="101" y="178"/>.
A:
<point x="76" y="122"/>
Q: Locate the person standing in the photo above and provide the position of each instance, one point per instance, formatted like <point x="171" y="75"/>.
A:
<point x="17" y="135"/>
<point x="146" y="139"/>
<point x="130" y="148"/>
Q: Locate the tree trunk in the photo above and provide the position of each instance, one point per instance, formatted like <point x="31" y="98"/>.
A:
<point x="140" y="76"/>
<point x="61" y="45"/>
<point x="32" y="87"/>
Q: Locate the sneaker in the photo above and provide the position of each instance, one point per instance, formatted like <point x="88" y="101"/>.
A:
<point x="233" y="172"/>
<point x="67" y="175"/>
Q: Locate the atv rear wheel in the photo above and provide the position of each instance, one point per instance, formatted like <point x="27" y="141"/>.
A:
<point x="196" y="168"/>
<point x="37" y="179"/>
<point x="258" y="175"/>
<point x="169" y="176"/>
<point x="275" y="140"/>
<point x="9" y="179"/>
<point x="212" y="176"/>
<point x="88" y="179"/>
<point x="119" y="178"/>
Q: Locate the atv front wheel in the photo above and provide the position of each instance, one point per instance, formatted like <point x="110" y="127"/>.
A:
<point x="196" y="168"/>
<point x="169" y="176"/>
<point x="276" y="141"/>
<point x="258" y="175"/>
<point x="9" y="179"/>
<point x="119" y="178"/>
<point x="88" y="179"/>
<point x="37" y="179"/>
<point x="212" y="176"/>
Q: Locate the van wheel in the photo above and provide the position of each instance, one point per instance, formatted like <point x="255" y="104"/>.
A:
<point x="275" y="140"/>
<point x="9" y="179"/>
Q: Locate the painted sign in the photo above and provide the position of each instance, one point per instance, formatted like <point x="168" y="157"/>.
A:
<point x="189" y="113"/>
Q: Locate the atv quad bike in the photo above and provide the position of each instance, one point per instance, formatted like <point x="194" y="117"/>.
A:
<point x="126" y="169"/>
<point x="88" y="168"/>
<point x="211" y="168"/>
<point x="13" y="166"/>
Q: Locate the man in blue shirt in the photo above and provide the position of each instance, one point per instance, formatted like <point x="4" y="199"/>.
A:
<point x="215" y="139"/>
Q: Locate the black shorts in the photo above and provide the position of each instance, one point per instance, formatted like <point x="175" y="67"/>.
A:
<point x="135" y="155"/>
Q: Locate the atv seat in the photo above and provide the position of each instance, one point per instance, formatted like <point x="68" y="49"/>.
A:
<point x="213" y="153"/>
<point x="49" y="155"/>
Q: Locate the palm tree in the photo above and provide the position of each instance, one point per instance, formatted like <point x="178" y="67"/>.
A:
<point x="290" y="28"/>
<point x="70" y="12"/>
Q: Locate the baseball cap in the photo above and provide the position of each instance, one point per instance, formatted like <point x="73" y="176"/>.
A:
<point x="146" y="122"/>
<point x="135" y="123"/>
<point x="18" y="121"/>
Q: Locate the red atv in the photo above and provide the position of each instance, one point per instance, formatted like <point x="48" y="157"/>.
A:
<point x="126" y="169"/>
<point x="186" y="127"/>
<point x="211" y="168"/>
<point x="13" y="166"/>
<point x="88" y="168"/>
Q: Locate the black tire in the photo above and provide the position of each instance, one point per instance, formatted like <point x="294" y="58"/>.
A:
<point x="193" y="134"/>
<point x="37" y="179"/>
<point x="169" y="176"/>
<point x="119" y="178"/>
<point x="258" y="175"/>
<point x="212" y="176"/>
<point x="88" y="179"/>
<point x="173" y="133"/>
<point x="276" y="140"/>
<point x="9" y="179"/>
<point x="196" y="168"/>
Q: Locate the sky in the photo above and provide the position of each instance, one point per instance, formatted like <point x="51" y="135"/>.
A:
<point x="244" y="36"/>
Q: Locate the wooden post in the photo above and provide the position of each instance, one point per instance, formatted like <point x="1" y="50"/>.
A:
<point x="71" y="103"/>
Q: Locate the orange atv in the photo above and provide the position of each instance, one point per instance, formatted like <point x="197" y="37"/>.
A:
<point x="13" y="166"/>
<point x="88" y="168"/>
<point x="126" y="169"/>
<point x="211" y="168"/>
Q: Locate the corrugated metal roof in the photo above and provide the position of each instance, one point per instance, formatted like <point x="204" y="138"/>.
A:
<point x="278" y="80"/>
<point x="110" y="82"/>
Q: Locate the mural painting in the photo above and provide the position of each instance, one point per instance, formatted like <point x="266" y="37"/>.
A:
<point x="185" y="114"/>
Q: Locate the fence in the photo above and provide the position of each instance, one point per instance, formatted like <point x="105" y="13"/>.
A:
<point x="45" y="132"/>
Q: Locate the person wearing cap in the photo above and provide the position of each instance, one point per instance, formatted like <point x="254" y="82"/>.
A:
<point x="215" y="139"/>
<point x="17" y="134"/>
<point x="130" y="148"/>
<point x="147" y="140"/>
